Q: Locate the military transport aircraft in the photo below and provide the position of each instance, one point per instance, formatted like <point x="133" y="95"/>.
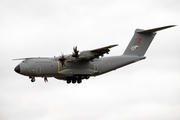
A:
<point x="77" y="66"/>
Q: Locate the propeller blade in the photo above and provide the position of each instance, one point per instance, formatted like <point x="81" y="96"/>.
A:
<point x="62" y="59"/>
<point x="75" y="52"/>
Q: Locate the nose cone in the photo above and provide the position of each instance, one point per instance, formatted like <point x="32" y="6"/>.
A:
<point x="17" y="69"/>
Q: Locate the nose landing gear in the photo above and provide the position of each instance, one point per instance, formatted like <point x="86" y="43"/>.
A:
<point x="45" y="79"/>
<point x="32" y="78"/>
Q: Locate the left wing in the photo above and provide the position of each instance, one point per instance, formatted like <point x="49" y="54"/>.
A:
<point x="92" y="54"/>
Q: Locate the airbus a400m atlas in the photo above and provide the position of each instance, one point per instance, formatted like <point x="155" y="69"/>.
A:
<point x="78" y="66"/>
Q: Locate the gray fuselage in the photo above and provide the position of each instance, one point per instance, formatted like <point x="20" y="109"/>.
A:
<point x="78" y="66"/>
<point x="51" y="67"/>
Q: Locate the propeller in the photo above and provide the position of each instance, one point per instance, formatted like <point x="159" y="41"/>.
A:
<point x="62" y="59"/>
<point x="75" y="52"/>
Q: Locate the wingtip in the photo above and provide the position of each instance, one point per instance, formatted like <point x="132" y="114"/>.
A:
<point x="20" y="59"/>
<point x="114" y="45"/>
<point x="170" y="26"/>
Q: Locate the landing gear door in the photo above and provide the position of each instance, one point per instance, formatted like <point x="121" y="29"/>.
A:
<point x="96" y="67"/>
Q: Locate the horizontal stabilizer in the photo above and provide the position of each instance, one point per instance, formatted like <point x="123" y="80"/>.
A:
<point x="155" y="29"/>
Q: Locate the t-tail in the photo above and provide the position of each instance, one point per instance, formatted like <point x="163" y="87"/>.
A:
<point x="141" y="41"/>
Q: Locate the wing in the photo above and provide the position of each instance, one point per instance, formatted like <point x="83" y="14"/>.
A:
<point x="92" y="54"/>
<point x="101" y="51"/>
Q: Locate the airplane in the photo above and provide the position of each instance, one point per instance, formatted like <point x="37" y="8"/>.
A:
<point x="75" y="67"/>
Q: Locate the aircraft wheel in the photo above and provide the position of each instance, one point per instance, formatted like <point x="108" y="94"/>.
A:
<point x="33" y="80"/>
<point x="68" y="81"/>
<point x="79" y="81"/>
<point x="73" y="81"/>
<point x="87" y="77"/>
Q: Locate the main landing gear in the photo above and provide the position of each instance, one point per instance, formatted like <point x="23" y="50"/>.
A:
<point x="76" y="79"/>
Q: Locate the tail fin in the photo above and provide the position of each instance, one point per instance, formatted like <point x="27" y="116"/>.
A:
<point x="141" y="41"/>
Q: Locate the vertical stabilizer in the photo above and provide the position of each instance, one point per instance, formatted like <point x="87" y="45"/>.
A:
<point x="141" y="41"/>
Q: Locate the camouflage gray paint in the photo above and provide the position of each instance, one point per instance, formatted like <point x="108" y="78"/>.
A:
<point x="87" y="63"/>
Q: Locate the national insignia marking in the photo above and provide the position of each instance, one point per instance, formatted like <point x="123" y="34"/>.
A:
<point x="134" y="47"/>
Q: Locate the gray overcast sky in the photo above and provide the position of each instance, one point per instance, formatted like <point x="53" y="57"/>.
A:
<point x="149" y="89"/>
